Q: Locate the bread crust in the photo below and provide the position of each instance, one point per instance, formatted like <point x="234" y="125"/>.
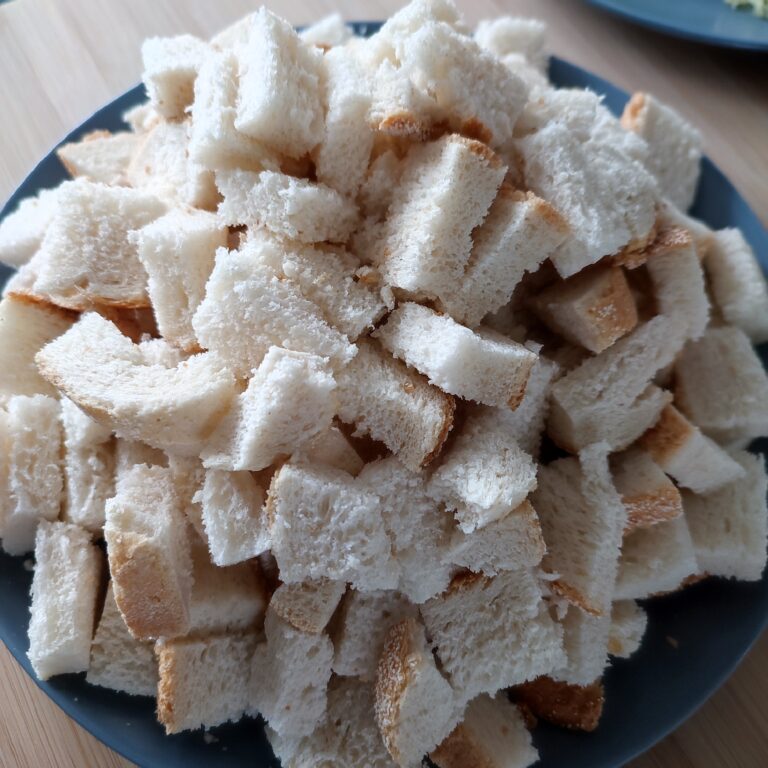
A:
<point x="460" y="750"/>
<point x="670" y="433"/>
<point x="576" y="707"/>
<point x="646" y="509"/>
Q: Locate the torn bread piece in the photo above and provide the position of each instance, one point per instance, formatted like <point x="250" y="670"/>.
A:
<point x="684" y="453"/>
<point x="656" y="559"/>
<point x="105" y="373"/>
<point x="383" y="398"/>
<point x="100" y="156"/>
<point x="118" y="660"/>
<point x="148" y="547"/>
<point x="628" y="625"/>
<point x="583" y="519"/>
<point x="289" y="677"/>
<point x="308" y="606"/>
<point x="415" y="707"/>
<point x="576" y="707"/>
<point x="203" y="680"/>
<point x="729" y="527"/>
<point x="676" y="146"/>
<point x="514" y="34"/>
<point x="30" y="469"/>
<point x="477" y="365"/>
<point x="23" y="229"/>
<point x="65" y="588"/>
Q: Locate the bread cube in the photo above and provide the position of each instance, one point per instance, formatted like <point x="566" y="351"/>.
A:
<point x="328" y="32"/>
<point x="514" y="34"/>
<point x="22" y="230"/>
<point x="576" y="707"/>
<point x="308" y="606"/>
<point x="100" y="156"/>
<point x="585" y="640"/>
<point x="628" y="624"/>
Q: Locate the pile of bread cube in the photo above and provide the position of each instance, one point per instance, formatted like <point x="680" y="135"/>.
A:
<point x="391" y="377"/>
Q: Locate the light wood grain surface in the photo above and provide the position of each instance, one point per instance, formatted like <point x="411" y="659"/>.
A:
<point x="62" y="59"/>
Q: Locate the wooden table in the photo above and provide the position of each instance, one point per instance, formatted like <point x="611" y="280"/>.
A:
<point x="60" y="61"/>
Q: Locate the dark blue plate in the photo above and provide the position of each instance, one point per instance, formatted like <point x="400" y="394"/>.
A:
<point x="713" y="623"/>
<point x="707" y="21"/>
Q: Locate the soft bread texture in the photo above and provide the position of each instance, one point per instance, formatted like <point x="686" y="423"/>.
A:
<point x="25" y="327"/>
<point x="22" y="230"/>
<point x="289" y="677"/>
<point x="675" y="145"/>
<point x="484" y="475"/>
<point x="656" y="559"/>
<point x="100" y="156"/>
<point x="328" y="32"/>
<point x="177" y="251"/>
<point x="592" y="309"/>
<point x="628" y="625"/>
<point x="148" y="547"/>
<point x="514" y="34"/>
<point x="414" y="702"/>
<point x="65" y="587"/>
<point x="107" y="375"/>
<point x="170" y="67"/>
<point x="585" y="639"/>
<point x="203" y="680"/>
<point x="233" y="516"/>
<point x="189" y="476"/>
<point x="691" y="458"/>
<point x="119" y="661"/>
<point x="30" y="469"/>
<point x="493" y="633"/>
<point x="383" y="398"/>
<point x="582" y="518"/>
<point x="308" y="606"/>
<point x="360" y="628"/>
<point x="720" y="384"/>
<point x="649" y="496"/>
<point x="255" y="432"/>
<point x="576" y="707"/>
<point x="476" y="365"/>
<point x="492" y="734"/>
<point x="738" y="285"/>
<point x="729" y="527"/>
<point x="326" y="525"/>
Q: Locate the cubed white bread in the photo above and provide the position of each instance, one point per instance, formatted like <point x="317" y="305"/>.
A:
<point x="119" y="661"/>
<point x="214" y="142"/>
<point x="628" y="624"/>
<point x="608" y="397"/>
<point x="171" y="65"/>
<point x="248" y="308"/>
<point x="649" y="496"/>
<point x="289" y="677"/>
<point x="656" y="559"/>
<point x="585" y="638"/>
<point x="684" y="453"/>
<point x="308" y="606"/>
<point x="159" y="352"/>
<point x="514" y="34"/>
<point x="534" y="78"/>
<point x="493" y="734"/>
<point x="128" y="453"/>
<point x="511" y="542"/>
<point x="566" y="153"/>
<point x="189" y="476"/>
<point x="100" y="156"/>
<point x="341" y="159"/>
<point x="233" y="516"/>
<point x="419" y="527"/>
<point x="729" y="527"/>
<point x="738" y="284"/>
<point x="519" y="233"/>
<point x="287" y="206"/>
<point x="593" y="309"/>
<point x="177" y="251"/>
<point x="479" y="365"/>
<point x="446" y="189"/>
<point x="385" y="399"/>
<point x="576" y="707"/>
<point x="484" y="475"/>
<point x="141" y="117"/>
<point x="703" y="235"/>
<point x="324" y="524"/>
<point x="27" y="325"/>
<point x="333" y="449"/>
<point x="360" y="628"/>
<point x="22" y="230"/>
<point x="65" y="588"/>
<point x="289" y="400"/>
<point x="86" y="256"/>
<point x="676" y="146"/>
<point x="279" y="75"/>
<point x="148" y="547"/>
<point x="328" y="32"/>
<point x="89" y="467"/>
<point x="583" y="520"/>
<point x="493" y="633"/>
<point x="105" y="373"/>
<point x="203" y="680"/>
<point x="328" y="277"/>
<point x="347" y="737"/>
<point x="380" y="185"/>
<point x="32" y="480"/>
<point x="415" y="707"/>
<point x="721" y="385"/>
